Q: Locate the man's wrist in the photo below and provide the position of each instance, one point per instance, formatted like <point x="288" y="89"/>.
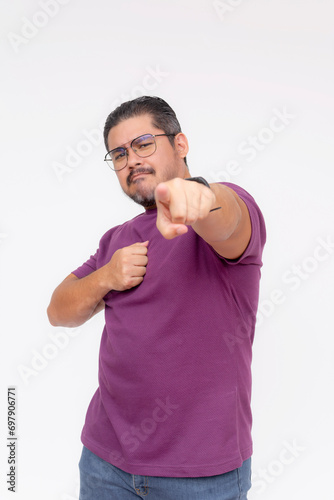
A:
<point x="200" y="180"/>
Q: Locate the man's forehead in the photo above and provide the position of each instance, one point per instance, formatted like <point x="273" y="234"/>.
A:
<point x="129" y="129"/>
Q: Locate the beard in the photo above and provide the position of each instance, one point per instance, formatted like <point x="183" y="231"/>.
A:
<point x="146" y="201"/>
<point x="144" y="197"/>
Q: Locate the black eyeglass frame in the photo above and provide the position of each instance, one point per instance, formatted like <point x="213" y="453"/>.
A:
<point x="109" y="160"/>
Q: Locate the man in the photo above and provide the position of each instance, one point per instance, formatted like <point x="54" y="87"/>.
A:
<point x="179" y="284"/>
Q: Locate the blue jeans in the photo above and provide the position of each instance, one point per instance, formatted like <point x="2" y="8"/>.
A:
<point x="99" y="480"/>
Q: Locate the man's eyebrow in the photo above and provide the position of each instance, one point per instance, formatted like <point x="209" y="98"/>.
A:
<point x="122" y="146"/>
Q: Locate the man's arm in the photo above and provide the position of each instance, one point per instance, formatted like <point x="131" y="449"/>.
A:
<point x="182" y="203"/>
<point x="227" y="230"/>
<point x="76" y="300"/>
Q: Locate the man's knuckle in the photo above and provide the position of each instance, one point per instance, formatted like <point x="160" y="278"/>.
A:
<point x="128" y="282"/>
<point x="178" y="216"/>
<point x="192" y="219"/>
<point x="125" y="260"/>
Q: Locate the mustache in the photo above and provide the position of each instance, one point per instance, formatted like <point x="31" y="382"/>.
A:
<point x="141" y="170"/>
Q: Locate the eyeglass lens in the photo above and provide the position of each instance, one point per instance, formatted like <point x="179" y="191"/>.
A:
<point x="143" y="146"/>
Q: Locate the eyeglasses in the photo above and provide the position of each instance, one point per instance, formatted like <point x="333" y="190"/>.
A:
<point x="144" y="145"/>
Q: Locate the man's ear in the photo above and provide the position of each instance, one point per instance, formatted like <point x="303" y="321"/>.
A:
<point x="181" y="145"/>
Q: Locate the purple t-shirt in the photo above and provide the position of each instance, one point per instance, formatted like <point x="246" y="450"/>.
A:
<point x="175" y="357"/>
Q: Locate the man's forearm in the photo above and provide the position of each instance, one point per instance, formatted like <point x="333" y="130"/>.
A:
<point x="228" y="229"/>
<point x="226" y="218"/>
<point x="76" y="300"/>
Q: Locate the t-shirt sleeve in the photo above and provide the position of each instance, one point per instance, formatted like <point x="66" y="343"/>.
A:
<point x="88" y="267"/>
<point x="253" y="252"/>
<point x="98" y="259"/>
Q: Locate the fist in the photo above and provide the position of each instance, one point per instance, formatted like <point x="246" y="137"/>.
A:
<point x="127" y="266"/>
<point x="181" y="203"/>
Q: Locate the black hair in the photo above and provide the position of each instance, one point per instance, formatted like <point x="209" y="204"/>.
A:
<point x="163" y="116"/>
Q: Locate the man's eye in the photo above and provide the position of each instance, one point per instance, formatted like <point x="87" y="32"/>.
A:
<point x="144" y="145"/>
<point x="119" y="155"/>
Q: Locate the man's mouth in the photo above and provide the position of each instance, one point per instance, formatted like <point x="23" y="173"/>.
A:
<point x="139" y="175"/>
<point x="136" y="175"/>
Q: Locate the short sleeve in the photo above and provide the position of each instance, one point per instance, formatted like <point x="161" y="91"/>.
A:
<point x="99" y="258"/>
<point x="253" y="252"/>
<point x="88" y="267"/>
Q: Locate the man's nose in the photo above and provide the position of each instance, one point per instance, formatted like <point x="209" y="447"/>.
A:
<point x="133" y="159"/>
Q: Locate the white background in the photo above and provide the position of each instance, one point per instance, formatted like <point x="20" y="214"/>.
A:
<point x="226" y="68"/>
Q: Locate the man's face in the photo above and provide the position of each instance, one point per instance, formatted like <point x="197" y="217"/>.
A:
<point x="141" y="176"/>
